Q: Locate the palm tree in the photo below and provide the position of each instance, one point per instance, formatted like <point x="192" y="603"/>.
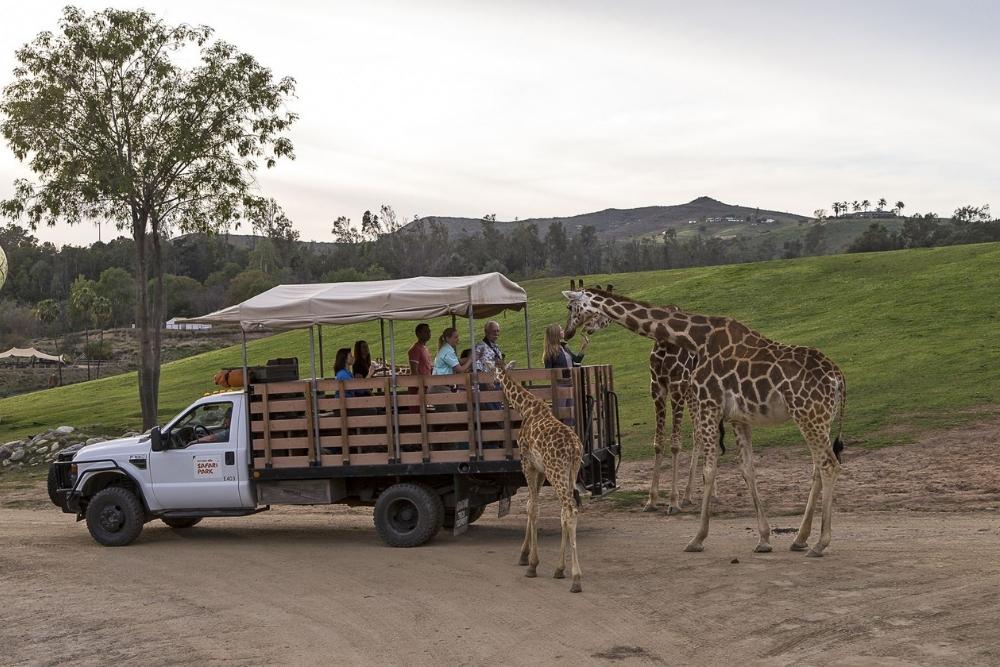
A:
<point x="100" y="314"/>
<point x="47" y="312"/>
<point x="856" y="205"/>
<point x="865" y="205"/>
<point x="899" y="207"/>
<point x="881" y="204"/>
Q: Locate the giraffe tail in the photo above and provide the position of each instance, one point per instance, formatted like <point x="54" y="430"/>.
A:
<point x="722" y="437"/>
<point x="838" y="444"/>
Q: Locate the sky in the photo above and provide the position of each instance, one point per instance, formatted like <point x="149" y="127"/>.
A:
<point x="536" y="109"/>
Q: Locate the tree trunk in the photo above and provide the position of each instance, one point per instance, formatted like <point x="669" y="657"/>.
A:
<point x="148" y="361"/>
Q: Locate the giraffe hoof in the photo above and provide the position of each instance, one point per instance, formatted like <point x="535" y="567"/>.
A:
<point x="798" y="547"/>
<point x="531" y="573"/>
<point x="523" y="560"/>
<point x="762" y="548"/>
<point x="559" y="574"/>
<point x="673" y="510"/>
<point x="576" y="587"/>
<point x="686" y="502"/>
<point x="812" y="553"/>
<point x="694" y="547"/>
<point x="650" y="507"/>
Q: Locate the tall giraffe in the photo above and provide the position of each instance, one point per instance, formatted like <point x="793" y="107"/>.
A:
<point x="670" y="368"/>
<point x="745" y="379"/>
<point x="549" y="450"/>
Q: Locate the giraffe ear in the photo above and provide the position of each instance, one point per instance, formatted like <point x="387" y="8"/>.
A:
<point x="572" y="296"/>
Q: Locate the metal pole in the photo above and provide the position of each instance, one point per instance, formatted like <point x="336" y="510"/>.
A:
<point x="392" y="388"/>
<point x="317" y="450"/>
<point x="527" y="336"/>
<point x="246" y="391"/>
<point x="381" y="326"/>
<point x="319" y="330"/>
<point x="475" y="378"/>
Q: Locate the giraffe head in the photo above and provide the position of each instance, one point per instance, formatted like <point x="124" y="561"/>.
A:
<point x="496" y="372"/>
<point x="584" y="312"/>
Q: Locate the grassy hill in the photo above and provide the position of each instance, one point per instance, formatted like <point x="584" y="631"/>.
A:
<point x="915" y="332"/>
<point x="618" y="223"/>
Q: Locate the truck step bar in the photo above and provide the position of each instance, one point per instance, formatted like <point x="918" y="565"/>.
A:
<point x="202" y="514"/>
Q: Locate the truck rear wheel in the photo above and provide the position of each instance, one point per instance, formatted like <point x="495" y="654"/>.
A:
<point x="180" y="523"/>
<point x="115" y="516"/>
<point x="407" y="515"/>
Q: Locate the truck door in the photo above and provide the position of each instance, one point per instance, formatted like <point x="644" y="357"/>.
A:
<point x="198" y="470"/>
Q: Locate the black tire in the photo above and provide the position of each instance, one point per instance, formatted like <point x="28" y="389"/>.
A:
<point x="449" y="516"/>
<point x="180" y="523"/>
<point x="407" y="515"/>
<point x="53" y="484"/>
<point x="115" y="516"/>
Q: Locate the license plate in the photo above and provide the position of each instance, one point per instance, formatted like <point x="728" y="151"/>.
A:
<point x="503" y="508"/>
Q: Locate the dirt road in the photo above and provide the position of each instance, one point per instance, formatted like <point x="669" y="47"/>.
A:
<point x="900" y="585"/>
<point x="306" y="586"/>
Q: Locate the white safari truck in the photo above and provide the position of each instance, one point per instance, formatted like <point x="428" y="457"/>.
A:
<point x="426" y="451"/>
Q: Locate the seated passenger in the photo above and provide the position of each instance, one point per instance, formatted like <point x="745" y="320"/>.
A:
<point x="362" y="366"/>
<point x="447" y="362"/>
<point x="342" y="369"/>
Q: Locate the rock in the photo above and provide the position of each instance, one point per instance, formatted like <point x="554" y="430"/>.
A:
<point x="129" y="434"/>
<point x="6" y="462"/>
<point x="94" y="441"/>
<point x="4" y="454"/>
<point x="13" y="444"/>
<point x="40" y="443"/>
<point x="55" y="447"/>
<point x="17" y="454"/>
<point x="65" y="430"/>
<point x="734" y="561"/>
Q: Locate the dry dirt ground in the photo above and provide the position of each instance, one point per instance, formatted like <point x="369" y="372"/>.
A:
<point x="912" y="577"/>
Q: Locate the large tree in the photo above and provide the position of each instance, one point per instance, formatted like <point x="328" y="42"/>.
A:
<point x="154" y="127"/>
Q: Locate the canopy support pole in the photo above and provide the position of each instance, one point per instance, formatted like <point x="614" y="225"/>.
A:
<point x="394" y="446"/>
<point x="319" y="331"/>
<point x="527" y="337"/>
<point x="246" y="391"/>
<point x="475" y="381"/>
<point x="317" y="450"/>
<point x="381" y="326"/>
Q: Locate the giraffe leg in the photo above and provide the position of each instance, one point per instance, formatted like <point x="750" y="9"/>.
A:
<point x="750" y="477"/>
<point x="707" y="425"/>
<point x="534" y="486"/>
<point x="829" y="469"/>
<point x="807" y="517"/>
<point x="695" y="452"/>
<point x="659" y="406"/>
<point x="568" y="516"/>
<point x="566" y="502"/>
<point x="677" y="417"/>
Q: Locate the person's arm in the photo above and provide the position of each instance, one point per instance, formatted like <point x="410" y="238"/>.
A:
<point x="414" y="366"/>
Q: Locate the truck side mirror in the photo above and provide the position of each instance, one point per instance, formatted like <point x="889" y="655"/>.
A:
<point x="156" y="440"/>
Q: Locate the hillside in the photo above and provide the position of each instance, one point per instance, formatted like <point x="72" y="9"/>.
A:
<point x="618" y="224"/>
<point x="913" y="330"/>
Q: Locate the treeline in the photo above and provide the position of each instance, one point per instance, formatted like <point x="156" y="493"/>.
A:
<point x="51" y="291"/>
<point x="968" y="224"/>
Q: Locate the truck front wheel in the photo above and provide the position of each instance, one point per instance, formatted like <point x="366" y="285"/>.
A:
<point x="407" y="515"/>
<point x="115" y="516"/>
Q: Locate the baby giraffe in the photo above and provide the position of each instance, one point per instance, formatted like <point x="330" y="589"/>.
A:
<point x="549" y="450"/>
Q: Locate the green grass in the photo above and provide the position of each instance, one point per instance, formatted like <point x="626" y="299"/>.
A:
<point x="915" y="332"/>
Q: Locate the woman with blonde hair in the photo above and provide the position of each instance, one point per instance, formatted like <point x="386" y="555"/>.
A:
<point x="557" y="353"/>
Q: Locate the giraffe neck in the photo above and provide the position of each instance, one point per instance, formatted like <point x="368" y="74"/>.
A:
<point x="658" y="323"/>
<point x="518" y="396"/>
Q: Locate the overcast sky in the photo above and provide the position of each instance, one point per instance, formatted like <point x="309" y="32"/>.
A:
<point x="528" y="109"/>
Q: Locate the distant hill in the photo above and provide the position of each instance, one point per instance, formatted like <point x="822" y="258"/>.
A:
<point x="616" y="224"/>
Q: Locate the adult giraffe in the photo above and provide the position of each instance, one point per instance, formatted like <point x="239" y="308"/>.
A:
<point x="670" y="368"/>
<point x="746" y="379"/>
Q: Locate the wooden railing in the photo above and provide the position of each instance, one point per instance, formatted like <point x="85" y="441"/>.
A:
<point x="432" y="419"/>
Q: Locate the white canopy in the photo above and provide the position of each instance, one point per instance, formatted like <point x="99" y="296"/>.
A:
<point x="29" y="353"/>
<point x="423" y="297"/>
